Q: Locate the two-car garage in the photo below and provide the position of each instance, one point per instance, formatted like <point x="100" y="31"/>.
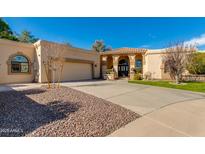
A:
<point x="75" y="69"/>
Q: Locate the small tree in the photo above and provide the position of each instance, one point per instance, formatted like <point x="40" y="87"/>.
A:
<point x="99" y="46"/>
<point x="53" y="64"/>
<point x="176" y="59"/>
<point x="26" y="37"/>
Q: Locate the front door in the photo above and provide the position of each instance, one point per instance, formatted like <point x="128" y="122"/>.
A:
<point x="123" y="68"/>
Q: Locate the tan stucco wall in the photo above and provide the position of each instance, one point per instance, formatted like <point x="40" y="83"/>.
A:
<point x="153" y="61"/>
<point x="42" y="47"/>
<point x="73" y="70"/>
<point x="8" y="48"/>
<point x="36" y="54"/>
<point x="154" y="64"/>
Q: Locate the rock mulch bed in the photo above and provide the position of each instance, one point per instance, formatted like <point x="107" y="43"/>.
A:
<point x="59" y="112"/>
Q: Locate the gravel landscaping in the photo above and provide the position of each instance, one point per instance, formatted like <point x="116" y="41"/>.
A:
<point x="59" y="112"/>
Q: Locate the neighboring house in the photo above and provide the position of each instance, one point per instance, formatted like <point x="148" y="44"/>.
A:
<point x="22" y="62"/>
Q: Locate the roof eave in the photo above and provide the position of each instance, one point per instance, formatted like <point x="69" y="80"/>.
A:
<point x="117" y="52"/>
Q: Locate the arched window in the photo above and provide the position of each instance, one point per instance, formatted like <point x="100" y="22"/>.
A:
<point x="19" y="64"/>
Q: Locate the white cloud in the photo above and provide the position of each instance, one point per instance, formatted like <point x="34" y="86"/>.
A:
<point x="198" y="41"/>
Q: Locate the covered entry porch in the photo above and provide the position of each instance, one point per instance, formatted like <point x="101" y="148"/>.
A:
<point x="122" y="62"/>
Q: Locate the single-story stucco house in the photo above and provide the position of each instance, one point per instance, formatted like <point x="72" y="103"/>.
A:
<point x="23" y="62"/>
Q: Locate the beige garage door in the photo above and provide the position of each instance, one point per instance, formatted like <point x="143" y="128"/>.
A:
<point x="76" y="71"/>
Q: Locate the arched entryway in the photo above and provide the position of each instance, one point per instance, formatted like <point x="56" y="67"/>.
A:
<point x="123" y="67"/>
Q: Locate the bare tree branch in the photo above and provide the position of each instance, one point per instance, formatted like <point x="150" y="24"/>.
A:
<point x="53" y="63"/>
<point x="176" y="58"/>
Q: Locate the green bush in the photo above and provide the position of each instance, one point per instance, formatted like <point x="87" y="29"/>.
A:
<point x="196" y="64"/>
<point x="138" y="76"/>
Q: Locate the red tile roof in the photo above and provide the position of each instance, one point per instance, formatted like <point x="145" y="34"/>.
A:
<point x="124" y="51"/>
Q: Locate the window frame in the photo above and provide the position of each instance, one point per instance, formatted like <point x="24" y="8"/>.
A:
<point x="10" y="63"/>
<point x="136" y="63"/>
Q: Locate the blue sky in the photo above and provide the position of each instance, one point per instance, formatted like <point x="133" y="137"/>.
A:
<point x="152" y="33"/>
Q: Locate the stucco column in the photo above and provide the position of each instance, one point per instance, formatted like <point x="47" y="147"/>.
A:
<point x="143" y="59"/>
<point x="132" y="61"/>
<point x="132" y="65"/>
<point x="104" y="66"/>
<point x="115" y="65"/>
<point x="143" y="64"/>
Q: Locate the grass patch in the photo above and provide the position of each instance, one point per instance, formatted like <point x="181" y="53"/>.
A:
<point x="191" y="86"/>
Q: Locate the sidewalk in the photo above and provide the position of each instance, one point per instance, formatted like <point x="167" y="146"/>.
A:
<point x="181" y="119"/>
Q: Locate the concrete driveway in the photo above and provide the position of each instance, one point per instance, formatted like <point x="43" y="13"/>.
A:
<point x="165" y="112"/>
